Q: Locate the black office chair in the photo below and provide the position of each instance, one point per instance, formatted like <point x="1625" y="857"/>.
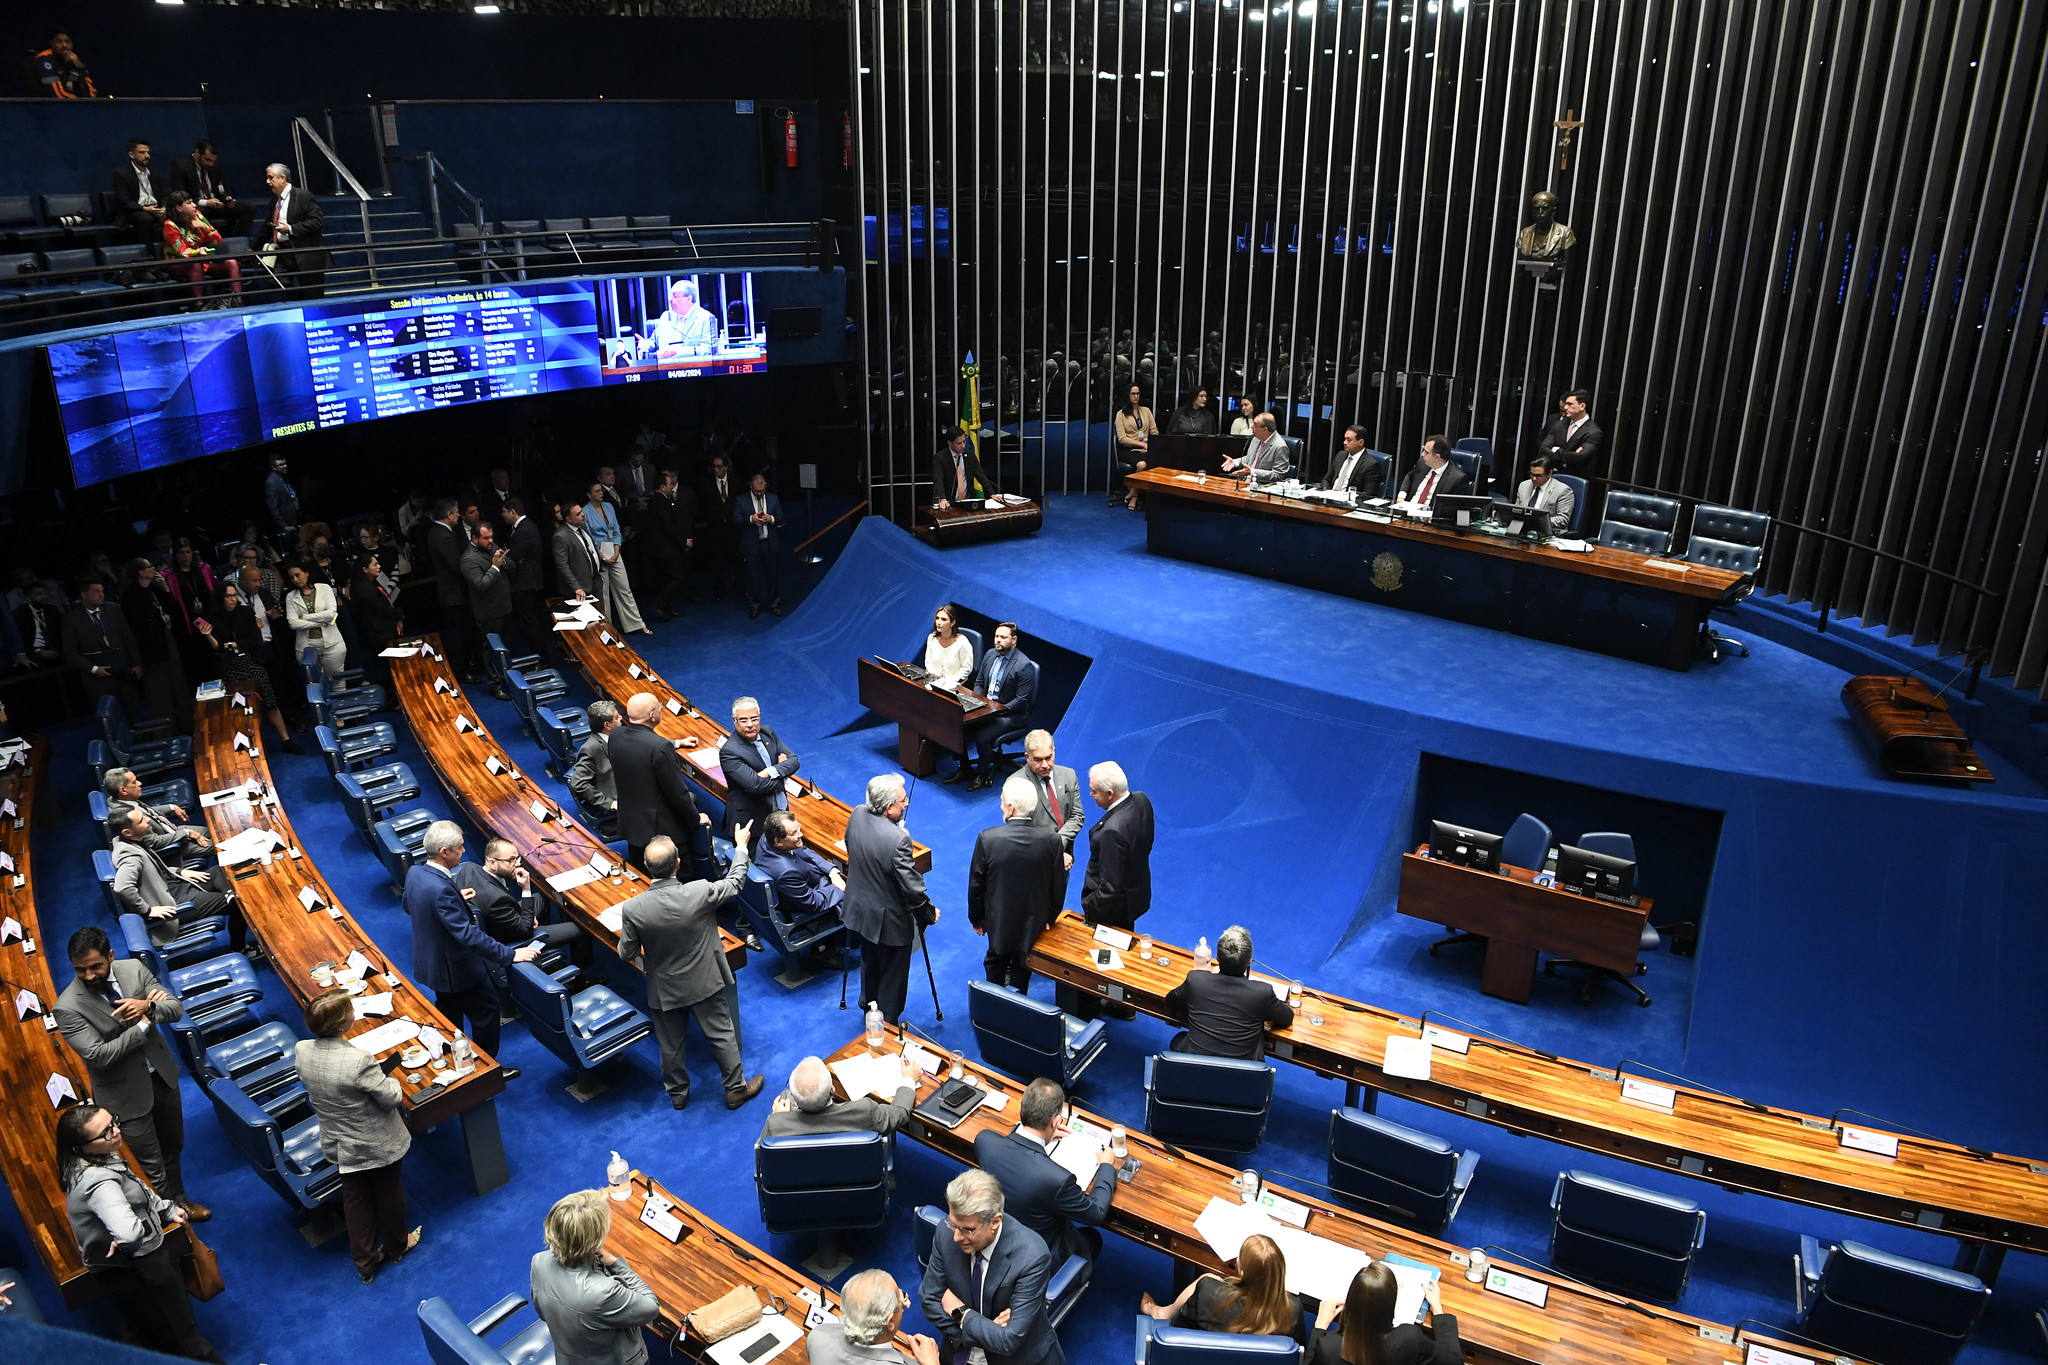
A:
<point x="1642" y="522"/>
<point x="1614" y="846"/>
<point x="1727" y="538"/>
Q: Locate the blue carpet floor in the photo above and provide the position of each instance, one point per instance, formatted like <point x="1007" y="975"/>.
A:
<point x="1277" y="730"/>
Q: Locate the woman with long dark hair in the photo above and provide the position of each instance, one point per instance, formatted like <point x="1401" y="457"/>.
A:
<point x="153" y="615"/>
<point x="1256" y="1303"/>
<point x="191" y="584"/>
<point x="1369" y="1336"/>
<point x="1132" y="429"/>
<point x="241" y="656"/>
<point x="119" y="1223"/>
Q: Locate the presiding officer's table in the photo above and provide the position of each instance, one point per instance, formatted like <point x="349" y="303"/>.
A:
<point x="1578" y="1325"/>
<point x="296" y="936"/>
<point x="502" y="803"/>
<point x="976" y="523"/>
<point x="1606" y="600"/>
<point x="926" y="721"/>
<point x="1987" y="1200"/>
<point x="1521" y="919"/>
<point x="615" y="670"/>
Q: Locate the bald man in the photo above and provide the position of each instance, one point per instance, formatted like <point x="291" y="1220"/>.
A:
<point x="654" y="797"/>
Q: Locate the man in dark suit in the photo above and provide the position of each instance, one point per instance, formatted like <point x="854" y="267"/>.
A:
<point x="142" y="195"/>
<point x="654" y="798"/>
<point x="1011" y="882"/>
<point x="199" y="176"/>
<point x="109" y="1014"/>
<point x="1118" y="885"/>
<point x="1007" y="677"/>
<point x="508" y="908"/>
<point x="886" y="902"/>
<point x="675" y="925"/>
<point x="983" y="1267"/>
<point x="486" y="572"/>
<point x="590" y="778"/>
<point x="292" y="225"/>
<point x="1434" y="473"/>
<point x="494" y="492"/>
<point x="665" y="534"/>
<point x="756" y="763"/>
<point x="807" y="888"/>
<point x="1039" y="1192"/>
<point x="1573" y="438"/>
<point x="718" y="499"/>
<point x="99" y="644"/>
<point x="578" y="567"/>
<point x="451" y="953"/>
<point x="1224" y="1008"/>
<point x="957" y="476"/>
<point x="524" y="551"/>
<point x="1355" y="469"/>
<point x="446" y="544"/>
<point x="809" y="1107"/>
<point x="41" y="625"/>
<point x="1059" y="803"/>
<point x="758" y="516"/>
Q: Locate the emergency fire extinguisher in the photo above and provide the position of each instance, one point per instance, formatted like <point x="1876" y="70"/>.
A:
<point x="788" y="136"/>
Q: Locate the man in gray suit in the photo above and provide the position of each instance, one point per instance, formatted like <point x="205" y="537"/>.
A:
<point x="1059" y="800"/>
<point x="870" y="1313"/>
<point x="1551" y="497"/>
<point x="486" y="568"/>
<point x="675" y="925"/>
<point x="167" y="827"/>
<point x="590" y="778"/>
<point x="148" y="886"/>
<point x="885" y="897"/>
<point x="986" y="1279"/>
<point x="808" y="1106"/>
<point x="579" y="570"/>
<point x="109" y="1015"/>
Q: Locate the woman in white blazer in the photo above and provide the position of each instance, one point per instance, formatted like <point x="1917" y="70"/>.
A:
<point x="310" y="610"/>
<point x="362" y="1131"/>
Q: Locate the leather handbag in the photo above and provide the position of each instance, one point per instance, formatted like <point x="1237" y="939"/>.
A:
<point x="202" y="1268"/>
<point x="732" y="1311"/>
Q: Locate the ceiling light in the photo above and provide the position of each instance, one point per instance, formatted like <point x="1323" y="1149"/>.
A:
<point x="486" y="9"/>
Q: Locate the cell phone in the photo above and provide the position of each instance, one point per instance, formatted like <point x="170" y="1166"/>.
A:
<point x="201" y="623"/>
<point x="1102" y="957"/>
<point x="390" y="1064"/>
<point x="760" y="1348"/>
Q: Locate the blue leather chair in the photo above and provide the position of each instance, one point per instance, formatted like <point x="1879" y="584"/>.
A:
<point x="775" y="927"/>
<point x="113" y="723"/>
<point x="199" y="942"/>
<point x="191" y="1036"/>
<point x="1469" y="461"/>
<point x="1641" y="522"/>
<point x="175" y="791"/>
<point x="1392" y="1171"/>
<point x="451" y="1341"/>
<point x="375" y="799"/>
<point x="1888" y="1307"/>
<point x="1213" y="1104"/>
<point x="1578" y="487"/>
<point x="1526" y="845"/>
<point x="1727" y="538"/>
<point x="973" y="642"/>
<point x="1623" y="1237"/>
<point x="326" y="713"/>
<point x="548" y="685"/>
<point x="559" y="738"/>
<point x="148" y="758"/>
<point x="585" y="1029"/>
<point x="288" y="1158"/>
<point x="825" y="1183"/>
<point x="351" y="698"/>
<point x="351" y="756"/>
<point x="263" y="1062"/>
<point x="1480" y="446"/>
<point x="1161" y="1343"/>
<point x="103" y="870"/>
<point x="1062" y="1291"/>
<point x="398" y="852"/>
<point x="528" y="702"/>
<point x="1614" y="846"/>
<point x="1029" y="1038"/>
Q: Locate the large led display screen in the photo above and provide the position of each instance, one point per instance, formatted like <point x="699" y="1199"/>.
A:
<point x="139" y="400"/>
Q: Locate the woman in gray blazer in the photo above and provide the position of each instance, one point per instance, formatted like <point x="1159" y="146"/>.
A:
<point x="594" y="1306"/>
<point x="361" y="1131"/>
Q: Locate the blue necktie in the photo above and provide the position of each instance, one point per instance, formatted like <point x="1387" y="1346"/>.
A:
<point x="960" y="1357"/>
<point x="995" y="676"/>
<point x="779" y="801"/>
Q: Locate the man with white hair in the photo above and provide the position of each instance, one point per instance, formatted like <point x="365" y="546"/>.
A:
<point x="756" y="764"/>
<point x="986" y="1281"/>
<point x="886" y="902"/>
<point x="1013" y="883"/>
<point x="449" y="948"/>
<point x="291" y="229"/>
<point x="808" y="1106"/>
<point x="1265" y="457"/>
<point x="870" y="1313"/>
<point x="1117" y="887"/>
<point x="685" y="325"/>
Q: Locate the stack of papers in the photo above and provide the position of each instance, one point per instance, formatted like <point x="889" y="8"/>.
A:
<point x="246" y="791"/>
<point x="1316" y="1266"/>
<point x="865" y="1073"/>
<point x="387" y="1036"/>
<point x="398" y="652"/>
<point x="368" y="1005"/>
<point x="250" y="843"/>
<point x="613" y="918"/>
<point x="1076" y="1152"/>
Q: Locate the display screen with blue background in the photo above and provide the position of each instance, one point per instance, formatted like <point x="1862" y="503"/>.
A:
<point x="142" y="399"/>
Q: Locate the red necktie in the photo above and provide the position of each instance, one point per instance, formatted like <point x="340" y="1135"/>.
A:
<point x="1052" y="802"/>
<point x="1428" y="487"/>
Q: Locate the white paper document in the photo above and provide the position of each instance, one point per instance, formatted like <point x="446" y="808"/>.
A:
<point x="1316" y="1266"/>
<point x="587" y="612"/>
<point x="368" y="1006"/>
<point x="398" y="652"/>
<point x="1407" y="1057"/>
<point x="571" y="625"/>
<point x="1076" y="1151"/>
<point x="399" y="1030"/>
<point x="565" y="882"/>
<point x="866" y="1073"/>
<point x="613" y="918"/>
<point x="250" y="843"/>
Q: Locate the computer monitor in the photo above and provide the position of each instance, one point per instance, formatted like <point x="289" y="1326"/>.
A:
<point x="1595" y="874"/>
<point x="1461" y="511"/>
<point x="1449" y="843"/>
<point x="1524" y="522"/>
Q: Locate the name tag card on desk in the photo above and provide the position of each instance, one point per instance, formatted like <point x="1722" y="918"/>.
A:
<point x="1855" y="1139"/>
<point x="242" y="741"/>
<point x="465" y="726"/>
<point x="675" y="708"/>
<point x="662" y="1221"/>
<point x="1764" y="1355"/>
<point x="1659" y="1097"/>
<point x="1535" y="1293"/>
<point x="635" y="671"/>
<point x="493" y="766"/>
<point x="309" y="898"/>
<point x="441" y="686"/>
<point x="1443" y="1038"/>
<point x="1115" y="938"/>
<point x="540" y="812"/>
<point x="10" y="929"/>
<point x="6" y="862"/>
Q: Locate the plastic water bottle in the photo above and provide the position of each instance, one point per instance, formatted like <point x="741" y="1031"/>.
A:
<point x="616" y="1174"/>
<point x="1202" y="954"/>
<point x="875" y="1026"/>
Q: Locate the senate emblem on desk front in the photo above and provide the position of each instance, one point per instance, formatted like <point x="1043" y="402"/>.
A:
<point x="1386" y="571"/>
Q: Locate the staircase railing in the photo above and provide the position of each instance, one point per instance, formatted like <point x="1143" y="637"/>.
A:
<point x="436" y="173"/>
<point x="302" y="132"/>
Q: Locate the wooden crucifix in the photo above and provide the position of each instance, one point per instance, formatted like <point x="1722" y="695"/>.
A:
<point x="1568" y="125"/>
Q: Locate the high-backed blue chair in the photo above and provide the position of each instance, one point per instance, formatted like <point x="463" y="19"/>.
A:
<point x="1480" y="446"/>
<point x="559" y="738"/>
<point x="973" y="643"/>
<point x="585" y="1029"/>
<point x="352" y="756"/>
<point x="788" y="935"/>
<point x="199" y="941"/>
<point x="1029" y="1038"/>
<point x="149" y="759"/>
<point x="288" y="1158"/>
<point x="1213" y="1104"/>
<point x="1393" y="1171"/>
<point x="351" y="698"/>
<point x="113" y="723"/>
<point x="1526" y="845"/>
<point x="826" y="1183"/>
<point x="527" y="701"/>
<point x="1727" y="538"/>
<point x="263" y="1062"/>
<point x="1889" y="1307"/>
<point x="452" y="1341"/>
<point x="1578" y="487"/>
<point x="548" y="685"/>
<point x="175" y="791"/>
<point x="1641" y="522"/>
<point x="103" y="871"/>
<point x="1614" y="846"/>
<point x="1062" y="1291"/>
<point x="396" y="851"/>
<point x="1623" y="1237"/>
<point x="191" y="1036"/>
<point x="325" y="712"/>
<point x="1467" y="460"/>
<point x="1161" y="1343"/>
<point x="369" y="801"/>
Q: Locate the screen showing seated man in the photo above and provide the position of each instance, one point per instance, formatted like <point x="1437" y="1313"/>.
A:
<point x="687" y="328"/>
<point x="679" y="325"/>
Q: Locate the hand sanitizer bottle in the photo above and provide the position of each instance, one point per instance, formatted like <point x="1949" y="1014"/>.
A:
<point x="1202" y="954"/>
<point x="616" y="1173"/>
<point x="874" y="1025"/>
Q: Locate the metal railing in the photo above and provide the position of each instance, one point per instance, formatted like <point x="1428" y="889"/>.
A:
<point x="302" y="131"/>
<point x="436" y="173"/>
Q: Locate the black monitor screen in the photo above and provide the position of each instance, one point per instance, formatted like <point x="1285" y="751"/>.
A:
<point x="1459" y="509"/>
<point x="1595" y="874"/>
<point x="1467" y="847"/>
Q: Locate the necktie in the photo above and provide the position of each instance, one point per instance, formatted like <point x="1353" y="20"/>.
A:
<point x="1052" y="803"/>
<point x="279" y="220"/>
<point x="966" y="1350"/>
<point x="760" y="508"/>
<point x="779" y="801"/>
<point x="1428" y="487"/>
<point x="995" y="675"/>
<point x="959" y="479"/>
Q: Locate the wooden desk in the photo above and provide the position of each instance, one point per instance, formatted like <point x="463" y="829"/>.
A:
<point x="501" y="804"/>
<point x="1987" y="1200"/>
<point x="711" y="1261"/>
<point x="944" y="527"/>
<point x="1157" y="1208"/>
<point x="295" y="938"/>
<point x="1605" y="600"/>
<point x="609" y="665"/>
<point x="926" y="721"/>
<point x="1521" y="919"/>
